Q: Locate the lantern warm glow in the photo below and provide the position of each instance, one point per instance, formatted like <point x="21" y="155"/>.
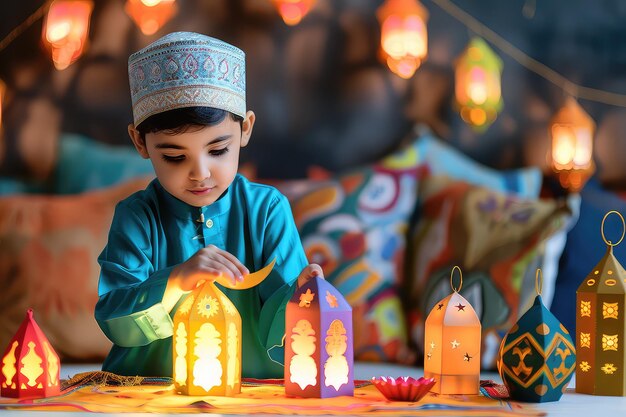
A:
<point x="452" y="344"/>
<point x="600" y="326"/>
<point x="2" y="90"/>
<point x="30" y="366"/>
<point x="293" y="11"/>
<point x="319" y="354"/>
<point x="66" y="29"/>
<point x="151" y="15"/>
<point x="572" y="131"/>
<point x="404" y="39"/>
<point x="537" y="357"/>
<point x="478" y="84"/>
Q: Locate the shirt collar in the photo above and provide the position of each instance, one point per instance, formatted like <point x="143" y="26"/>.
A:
<point x="185" y="211"/>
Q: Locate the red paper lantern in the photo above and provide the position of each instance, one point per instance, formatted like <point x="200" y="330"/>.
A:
<point x="292" y="11"/>
<point x="151" y="15"/>
<point x="66" y="29"/>
<point x="319" y="355"/>
<point x="30" y="366"/>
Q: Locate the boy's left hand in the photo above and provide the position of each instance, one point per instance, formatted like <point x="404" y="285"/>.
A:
<point x="310" y="271"/>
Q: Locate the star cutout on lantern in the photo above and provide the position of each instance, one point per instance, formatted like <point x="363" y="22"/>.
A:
<point x="467" y="357"/>
<point x="432" y="345"/>
<point x="455" y="344"/>
<point x="460" y="307"/>
<point x="430" y="355"/>
<point x="584" y="366"/>
<point x="306" y="298"/>
<point x="440" y="306"/>
<point x="609" y="368"/>
<point x="332" y="300"/>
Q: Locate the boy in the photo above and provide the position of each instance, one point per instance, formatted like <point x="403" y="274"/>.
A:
<point x="199" y="218"/>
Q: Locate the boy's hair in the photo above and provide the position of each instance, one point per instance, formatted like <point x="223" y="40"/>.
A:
<point x="180" y="120"/>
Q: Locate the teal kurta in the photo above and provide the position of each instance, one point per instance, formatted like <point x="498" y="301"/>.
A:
<point x="152" y="232"/>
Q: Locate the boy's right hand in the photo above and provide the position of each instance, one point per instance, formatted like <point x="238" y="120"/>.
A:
<point x="206" y="265"/>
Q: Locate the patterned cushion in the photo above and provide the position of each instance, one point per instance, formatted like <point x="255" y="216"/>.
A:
<point x="354" y="225"/>
<point x="48" y="262"/>
<point x="493" y="237"/>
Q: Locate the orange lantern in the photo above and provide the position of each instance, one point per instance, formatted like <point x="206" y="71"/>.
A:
<point x="601" y="327"/>
<point x="452" y="344"/>
<point x="572" y="131"/>
<point x="319" y="355"/>
<point x="292" y="11"/>
<point x="2" y="90"/>
<point x="404" y="39"/>
<point x="151" y="15"/>
<point x="478" y="84"/>
<point x="207" y="339"/>
<point x="65" y="29"/>
<point x="30" y="366"/>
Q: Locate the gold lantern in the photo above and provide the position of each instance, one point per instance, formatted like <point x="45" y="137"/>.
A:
<point x="151" y="15"/>
<point x="207" y="339"/>
<point x="600" y="325"/>
<point x="65" y="29"/>
<point x="30" y="366"/>
<point x="293" y="11"/>
<point x="572" y="131"/>
<point x="478" y="84"/>
<point x="452" y="344"/>
<point x="404" y="38"/>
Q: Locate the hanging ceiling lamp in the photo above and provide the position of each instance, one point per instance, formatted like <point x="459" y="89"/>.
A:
<point x="478" y="84"/>
<point x="292" y="11"/>
<point x="572" y="131"/>
<point x="65" y="29"/>
<point x="151" y="15"/>
<point x="404" y="39"/>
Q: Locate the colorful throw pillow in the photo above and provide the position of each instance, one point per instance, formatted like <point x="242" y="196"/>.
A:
<point x="585" y="247"/>
<point x="48" y="262"/>
<point x="354" y="225"/>
<point x="493" y="237"/>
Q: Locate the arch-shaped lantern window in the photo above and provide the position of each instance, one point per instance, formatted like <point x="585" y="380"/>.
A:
<point x="478" y="84"/>
<point x="452" y="344"/>
<point x="66" y="29"/>
<point x="600" y="326"/>
<point x="151" y="15"/>
<point x="404" y="37"/>
<point x="207" y="339"/>
<point x="293" y="11"/>
<point x="572" y="131"/>
<point x="537" y="357"/>
<point x="30" y="366"/>
<point x="319" y="355"/>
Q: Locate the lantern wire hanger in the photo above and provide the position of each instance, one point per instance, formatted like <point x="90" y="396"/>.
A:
<point x="608" y="242"/>
<point x="539" y="281"/>
<point x="38" y="14"/>
<point x="461" y="279"/>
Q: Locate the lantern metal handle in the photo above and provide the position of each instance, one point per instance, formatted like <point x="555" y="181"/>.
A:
<point x="460" y="283"/>
<point x="539" y="281"/>
<point x="608" y="242"/>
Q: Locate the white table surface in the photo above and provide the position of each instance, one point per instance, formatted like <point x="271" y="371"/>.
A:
<point x="571" y="404"/>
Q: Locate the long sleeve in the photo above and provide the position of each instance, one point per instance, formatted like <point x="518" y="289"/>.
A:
<point x="129" y="310"/>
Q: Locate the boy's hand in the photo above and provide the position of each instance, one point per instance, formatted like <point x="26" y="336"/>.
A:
<point x="206" y="265"/>
<point x="310" y="271"/>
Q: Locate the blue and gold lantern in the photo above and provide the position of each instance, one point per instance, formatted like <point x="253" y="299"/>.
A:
<point x="537" y="356"/>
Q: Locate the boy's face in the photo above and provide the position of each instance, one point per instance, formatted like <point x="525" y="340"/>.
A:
<point x="198" y="165"/>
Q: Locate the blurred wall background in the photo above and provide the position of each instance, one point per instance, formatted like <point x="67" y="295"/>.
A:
<point x="322" y="96"/>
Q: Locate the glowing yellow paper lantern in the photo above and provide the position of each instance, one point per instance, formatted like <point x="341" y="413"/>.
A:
<point x="292" y="11"/>
<point x="572" y="131"/>
<point x="478" y="84"/>
<point x="600" y="326"/>
<point x="65" y="29"/>
<point x="30" y="366"/>
<point x="319" y="355"/>
<point x="452" y="344"/>
<point x="207" y="339"/>
<point x="151" y="15"/>
<point x="404" y="38"/>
